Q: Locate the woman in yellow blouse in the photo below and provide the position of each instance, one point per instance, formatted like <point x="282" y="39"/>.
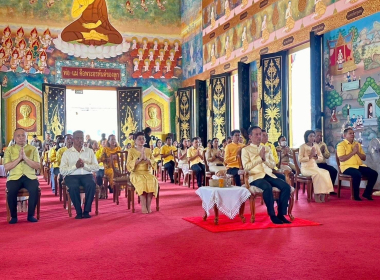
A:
<point x="309" y="153"/>
<point x="214" y="157"/>
<point x="157" y="151"/>
<point x="183" y="163"/>
<point x="139" y="161"/>
<point x="110" y="148"/>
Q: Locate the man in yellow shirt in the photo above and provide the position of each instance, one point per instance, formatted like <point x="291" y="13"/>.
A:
<point x="21" y="161"/>
<point x="59" y="143"/>
<point x="195" y="157"/>
<point x="230" y="159"/>
<point x="167" y="155"/>
<point x="258" y="161"/>
<point x="351" y="155"/>
<point x="129" y="140"/>
<point x="326" y="154"/>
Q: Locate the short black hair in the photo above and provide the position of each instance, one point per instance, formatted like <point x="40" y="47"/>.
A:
<point x="168" y="138"/>
<point x="346" y="130"/>
<point x="224" y="141"/>
<point x="228" y="138"/>
<point x="77" y="131"/>
<point x="306" y="135"/>
<point x="138" y="134"/>
<point x="279" y="137"/>
<point x="194" y="138"/>
<point x="147" y="130"/>
<point x="235" y="131"/>
<point x="263" y="130"/>
<point x="252" y="128"/>
<point x="34" y="136"/>
<point x="67" y="135"/>
<point x="157" y="140"/>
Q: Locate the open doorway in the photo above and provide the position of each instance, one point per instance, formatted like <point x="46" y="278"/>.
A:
<point x="93" y="111"/>
<point x="299" y="94"/>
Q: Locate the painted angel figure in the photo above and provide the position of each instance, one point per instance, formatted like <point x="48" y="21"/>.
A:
<point x="144" y="6"/>
<point x="46" y="39"/>
<point x="129" y="7"/>
<point x="130" y="126"/>
<point x="56" y="126"/>
<point x="160" y="5"/>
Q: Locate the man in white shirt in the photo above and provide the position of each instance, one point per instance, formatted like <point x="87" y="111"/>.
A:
<point x="77" y="165"/>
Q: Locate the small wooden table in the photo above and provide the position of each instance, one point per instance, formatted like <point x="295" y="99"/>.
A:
<point x="230" y="201"/>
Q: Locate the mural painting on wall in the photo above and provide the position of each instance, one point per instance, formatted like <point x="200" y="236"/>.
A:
<point x="254" y="93"/>
<point x="35" y="37"/>
<point x="269" y="24"/>
<point x="352" y="84"/>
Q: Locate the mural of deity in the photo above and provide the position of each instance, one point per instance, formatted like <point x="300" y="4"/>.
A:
<point x="289" y="18"/>
<point x="212" y="17"/>
<point x="244" y="3"/>
<point x="55" y="122"/>
<point x="46" y="39"/>
<point x="130" y="125"/>
<point x="228" y="47"/>
<point x="19" y="35"/>
<point x="93" y="26"/>
<point x="340" y="60"/>
<point x="33" y="40"/>
<point x="213" y="58"/>
<point x="6" y="35"/>
<point x="319" y="9"/>
<point x="227" y="10"/>
<point x="264" y="30"/>
<point x="15" y="60"/>
<point x="129" y="7"/>
<point x="244" y="40"/>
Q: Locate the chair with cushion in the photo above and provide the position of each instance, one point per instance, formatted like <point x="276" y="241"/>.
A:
<point x="345" y="177"/>
<point x="81" y="190"/>
<point x="257" y="192"/>
<point x="23" y="192"/>
<point x="301" y="179"/>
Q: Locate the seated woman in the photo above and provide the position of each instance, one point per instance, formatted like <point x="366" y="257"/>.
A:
<point x="140" y="159"/>
<point x="110" y="148"/>
<point x="183" y="163"/>
<point x="157" y="152"/>
<point x="285" y="151"/>
<point x="214" y="157"/>
<point x="308" y="155"/>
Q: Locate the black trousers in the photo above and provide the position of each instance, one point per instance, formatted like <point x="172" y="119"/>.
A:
<point x="266" y="184"/>
<point x="169" y="166"/>
<point x="14" y="186"/>
<point x="99" y="177"/>
<point x="85" y="181"/>
<point x="356" y="175"/>
<point x="280" y="176"/>
<point x="199" y="170"/>
<point x="234" y="171"/>
<point x="333" y="172"/>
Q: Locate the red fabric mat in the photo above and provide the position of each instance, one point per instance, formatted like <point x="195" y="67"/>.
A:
<point x="262" y="221"/>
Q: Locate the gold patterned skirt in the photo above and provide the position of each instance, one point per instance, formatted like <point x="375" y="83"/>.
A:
<point x="144" y="181"/>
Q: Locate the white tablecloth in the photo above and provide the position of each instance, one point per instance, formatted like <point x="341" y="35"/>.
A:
<point x="228" y="200"/>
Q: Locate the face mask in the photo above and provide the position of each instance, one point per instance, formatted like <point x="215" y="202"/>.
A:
<point x="61" y="145"/>
<point x="283" y="143"/>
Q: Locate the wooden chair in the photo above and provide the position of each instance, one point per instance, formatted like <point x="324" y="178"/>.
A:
<point x="257" y="192"/>
<point x="23" y="192"/>
<point x="208" y="173"/>
<point x="164" y="172"/>
<point x="345" y="177"/>
<point x="176" y="170"/>
<point x="301" y="179"/>
<point x="81" y="190"/>
<point x="47" y="173"/>
<point x="120" y="174"/>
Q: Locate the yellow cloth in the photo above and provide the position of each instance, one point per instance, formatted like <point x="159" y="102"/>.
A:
<point x="53" y="158"/>
<point x="344" y="148"/>
<point x="157" y="154"/>
<point x="108" y="171"/>
<point x="59" y="155"/>
<point x="325" y="154"/>
<point x="230" y="154"/>
<point x="166" y="150"/>
<point x="321" y="177"/>
<point x="98" y="155"/>
<point x="129" y="141"/>
<point x="254" y="165"/>
<point x="141" y="177"/>
<point x="12" y="153"/>
<point x="274" y="151"/>
<point x="191" y="152"/>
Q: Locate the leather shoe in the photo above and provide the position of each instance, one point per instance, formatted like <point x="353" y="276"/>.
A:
<point x="32" y="219"/>
<point x="276" y="220"/>
<point x="283" y="219"/>
<point x="86" y="215"/>
<point x="333" y="193"/>
<point x="357" y="199"/>
<point x="13" y="221"/>
<point x="369" y="197"/>
<point x="78" y="217"/>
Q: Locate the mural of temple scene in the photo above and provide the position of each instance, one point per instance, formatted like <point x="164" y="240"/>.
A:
<point x="169" y="121"/>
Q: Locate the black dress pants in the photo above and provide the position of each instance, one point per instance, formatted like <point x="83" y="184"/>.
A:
<point x="234" y="172"/>
<point x="356" y="175"/>
<point x="333" y="172"/>
<point x="88" y="183"/>
<point x="169" y="166"/>
<point x="14" y="186"/>
<point x="199" y="170"/>
<point x="266" y="184"/>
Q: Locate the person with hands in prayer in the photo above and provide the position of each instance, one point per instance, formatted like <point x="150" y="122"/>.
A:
<point x="195" y="157"/>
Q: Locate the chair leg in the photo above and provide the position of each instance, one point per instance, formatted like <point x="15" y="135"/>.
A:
<point x="192" y="178"/>
<point x="69" y="203"/>
<point x="56" y="185"/>
<point x="97" y="200"/>
<point x="339" y="185"/>
<point x="253" y="208"/>
<point x="297" y="189"/>
<point x="129" y="197"/>
<point x="290" y="208"/>
<point x="309" y="191"/>
<point x="64" y="197"/>
<point x="158" y="199"/>
<point x="133" y="199"/>
<point x="39" y="204"/>
<point x="179" y="176"/>
<point x="352" y="190"/>
<point x="8" y="211"/>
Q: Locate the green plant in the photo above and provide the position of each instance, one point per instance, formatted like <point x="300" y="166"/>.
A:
<point x="367" y="62"/>
<point x="355" y="33"/>
<point x="345" y="111"/>
<point x="369" y="82"/>
<point x="333" y="99"/>
<point x="357" y="57"/>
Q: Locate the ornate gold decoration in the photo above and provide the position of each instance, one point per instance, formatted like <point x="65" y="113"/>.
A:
<point x="129" y="125"/>
<point x="177" y="112"/>
<point x="159" y="104"/>
<point x="55" y="122"/>
<point x="219" y="108"/>
<point x="260" y="94"/>
<point x="46" y="113"/>
<point x="184" y="114"/>
<point x="38" y="113"/>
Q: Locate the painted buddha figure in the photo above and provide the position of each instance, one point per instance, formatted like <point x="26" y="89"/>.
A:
<point x="153" y="121"/>
<point x="92" y="27"/>
<point x="26" y="121"/>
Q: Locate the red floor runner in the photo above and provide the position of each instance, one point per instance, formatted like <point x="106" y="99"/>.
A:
<point x="262" y="221"/>
<point x="119" y="244"/>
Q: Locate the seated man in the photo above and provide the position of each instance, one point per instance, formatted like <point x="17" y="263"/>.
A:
<point x="67" y="145"/>
<point x="326" y="154"/>
<point x="258" y="161"/>
<point x="195" y="157"/>
<point x="77" y="165"/>
<point x="167" y="154"/>
<point x="59" y="143"/>
<point x="351" y="155"/>
<point x="265" y="142"/>
<point x="230" y="153"/>
<point x="22" y="161"/>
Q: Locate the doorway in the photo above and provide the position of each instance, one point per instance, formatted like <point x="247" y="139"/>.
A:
<point x="92" y="111"/>
<point x="299" y="94"/>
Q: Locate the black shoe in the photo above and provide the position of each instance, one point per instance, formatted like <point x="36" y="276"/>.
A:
<point x="283" y="219"/>
<point x="172" y="181"/>
<point x="32" y="219"/>
<point x="78" y="216"/>
<point x="276" y="220"/>
<point x="369" y="197"/>
<point x="111" y="190"/>
<point x="333" y="193"/>
<point x="13" y="221"/>
<point x="86" y="215"/>
<point x="357" y="199"/>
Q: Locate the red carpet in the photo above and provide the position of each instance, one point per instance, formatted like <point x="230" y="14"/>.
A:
<point x="120" y="245"/>
<point x="262" y="221"/>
